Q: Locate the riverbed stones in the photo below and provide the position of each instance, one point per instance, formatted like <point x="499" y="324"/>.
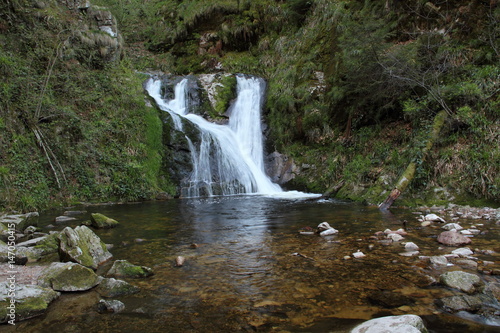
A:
<point x="433" y="218"/>
<point x="463" y="252"/>
<point x="438" y="260"/>
<point x="466" y="282"/>
<point x="83" y="246"/>
<point x="325" y="229"/>
<point x="68" y="276"/>
<point x="30" y="301"/>
<point x="123" y="268"/>
<point x="453" y="238"/>
<point x="100" y="221"/>
<point x="111" y="287"/>
<point x="392" y="324"/>
<point x="452" y="226"/>
<point x="20" y="221"/>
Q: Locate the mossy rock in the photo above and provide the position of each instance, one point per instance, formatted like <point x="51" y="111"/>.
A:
<point x="49" y="244"/>
<point x="101" y="221"/>
<point x="122" y="268"/>
<point x="110" y="287"/>
<point x="30" y="301"/>
<point x="68" y="276"/>
<point x="83" y="246"/>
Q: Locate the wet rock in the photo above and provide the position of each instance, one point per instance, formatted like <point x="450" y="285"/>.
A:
<point x="68" y="276"/>
<point x="110" y="287"/>
<point x="392" y="324"/>
<point x="453" y="238"/>
<point x="395" y="237"/>
<point x="460" y="303"/>
<point x="30" y="230"/>
<point x="122" y="268"/>
<point x="64" y="219"/>
<point x="179" y="261"/>
<point x="74" y="212"/>
<point x="438" y="260"/>
<point x="325" y="229"/>
<point x="410" y="246"/>
<point x="452" y="226"/>
<point x="466" y="282"/>
<point x="466" y="263"/>
<point x="358" y="254"/>
<point x="83" y="246"/>
<point x="409" y="253"/>
<point x="20" y="221"/>
<point x="110" y="306"/>
<point x="30" y="301"/>
<point x="100" y="221"/>
<point x="463" y="252"/>
<point x="389" y="299"/>
<point x="433" y="218"/>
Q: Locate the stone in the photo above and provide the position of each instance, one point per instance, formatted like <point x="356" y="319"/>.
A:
<point x="453" y="238"/>
<point x="30" y="301"/>
<point x="63" y="219"/>
<point x="358" y="254"/>
<point x="83" y="246"/>
<point x="68" y="276"/>
<point x="111" y="287"/>
<point x="179" y="261"/>
<point x="451" y="226"/>
<point x="101" y="221"/>
<point x="433" y="218"/>
<point x="20" y="221"/>
<point x="395" y="237"/>
<point x="463" y="252"/>
<point x="392" y="324"/>
<point x="460" y="303"/>
<point x="122" y="268"/>
<point x="110" y="306"/>
<point x="438" y="260"/>
<point x="389" y="299"/>
<point x="466" y="282"/>
<point x="425" y="224"/>
<point x="325" y="229"/>
<point x="410" y="246"/>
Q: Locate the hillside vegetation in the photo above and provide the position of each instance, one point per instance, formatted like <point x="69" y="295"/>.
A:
<point x="353" y="91"/>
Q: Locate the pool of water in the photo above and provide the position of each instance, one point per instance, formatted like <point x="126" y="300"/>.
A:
<point x="249" y="269"/>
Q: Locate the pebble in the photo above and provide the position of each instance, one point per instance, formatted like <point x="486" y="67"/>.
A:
<point x="358" y="254"/>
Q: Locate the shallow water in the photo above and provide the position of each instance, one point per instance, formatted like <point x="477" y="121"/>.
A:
<point x="251" y="270"/>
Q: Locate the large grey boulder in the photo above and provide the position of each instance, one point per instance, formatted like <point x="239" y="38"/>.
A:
<point x="453" y="238"/>
<point x="111" y="287"/>
<point x="392" y="324"/>
<point x="83" y="246"/>
<point x="68" y="276"/>
<point x="30" y="301"/>
<point x="101" y="221"/>
<point x="466" y="282"/>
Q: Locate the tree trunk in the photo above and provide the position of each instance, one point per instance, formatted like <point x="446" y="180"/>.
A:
<point x="409" y="173"/>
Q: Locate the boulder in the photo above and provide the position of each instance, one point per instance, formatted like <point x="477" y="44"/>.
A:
<point x="101" y="221"/>
<point x="410" y="246"/>
<point x="64" y="219"/>
<point x="453" y="238"/>
<point x="466" y="282"/>
<point x="392" y="324"/>
<point x="463" y="252"/>
<point x="83" y="246"/>
<point x="110" y="287"/>
<point x="20" y="221"/>
<point x="433" y="218"/>
<point x="30" y="301"/>
<point x="68" y="276"/>
<point x="438" y="260"/>
<point x="460" y="303"/>
<point x="122" y="268"/>
<point x="451" y="226"/>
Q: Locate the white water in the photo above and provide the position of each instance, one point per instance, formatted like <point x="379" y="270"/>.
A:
<point x="229" y="158"/>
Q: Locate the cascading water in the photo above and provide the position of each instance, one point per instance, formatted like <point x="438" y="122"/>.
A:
<point x="229" y="158"/>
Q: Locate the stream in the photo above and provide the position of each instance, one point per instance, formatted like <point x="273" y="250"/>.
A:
<point x="249" y="269"/>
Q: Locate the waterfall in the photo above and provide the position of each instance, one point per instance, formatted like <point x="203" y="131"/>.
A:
<point x="228" y="159"/>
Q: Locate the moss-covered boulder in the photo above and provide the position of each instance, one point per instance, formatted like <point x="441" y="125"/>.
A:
<point x="49" y="244"/>
<point x="111" y="287"/>
<point x="466" y="282"/>
<point x="30" y="301"/>
<point x="122" y="268"/>
<point x="20" y="221"/>
<point x="83" y="246"/>
<point x="101" y="221"/>
<point x="68" y="276"/>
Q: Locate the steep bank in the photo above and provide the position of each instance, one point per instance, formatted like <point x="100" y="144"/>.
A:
<point x="352" y="90"/>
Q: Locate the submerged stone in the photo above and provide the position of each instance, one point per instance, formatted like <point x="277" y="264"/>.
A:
<point x="110" y="306"/>
<point x="68" y="276"/>
<point x="453" y="238"/>
<point x="110" y="287"/>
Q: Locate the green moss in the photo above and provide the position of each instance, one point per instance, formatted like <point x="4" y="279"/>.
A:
<point x="225" y="94"/>
<point x="102" y="221"/>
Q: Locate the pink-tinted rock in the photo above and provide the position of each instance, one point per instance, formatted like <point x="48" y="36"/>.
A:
<point x="453" y="238"/>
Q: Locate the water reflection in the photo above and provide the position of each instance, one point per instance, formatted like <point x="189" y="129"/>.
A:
<point x="242" y="274"/>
